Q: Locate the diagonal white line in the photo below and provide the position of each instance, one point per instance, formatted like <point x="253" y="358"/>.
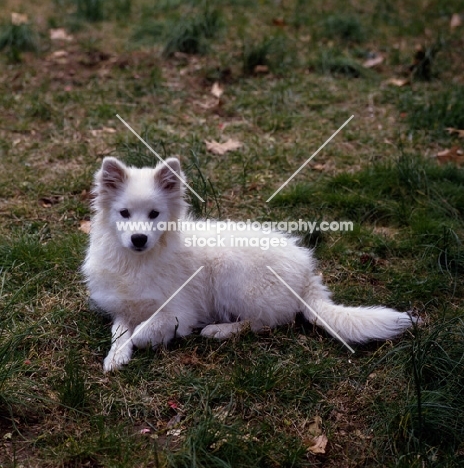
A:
<point x="166" y="302"/>
<point x="297" y="171"/>
<point x="334" y="333"/>
<point x="159" y="157"/>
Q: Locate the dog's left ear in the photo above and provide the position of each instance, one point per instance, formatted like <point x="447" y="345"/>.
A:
<point x="167" y="175"/>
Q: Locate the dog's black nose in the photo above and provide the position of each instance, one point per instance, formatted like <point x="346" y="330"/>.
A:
<point x="139" y="240"/>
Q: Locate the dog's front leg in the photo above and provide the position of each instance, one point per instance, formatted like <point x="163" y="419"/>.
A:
<point x="162" y="328"/>
<point x="121" y="348"/>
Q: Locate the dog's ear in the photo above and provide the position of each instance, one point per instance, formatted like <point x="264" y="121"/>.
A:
<point x="167" y="175"/>
<point x="113" y="174"/>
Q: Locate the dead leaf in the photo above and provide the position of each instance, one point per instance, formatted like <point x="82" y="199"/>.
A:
<point x="278" y="22"/>
<point x="456" y="21"/>
<point x="453" y="155"/>
<point x="17" y="19"/>
<point x="318" y="444"/>
<point x="174" y="421"/>
<point x="400" y="82"/>
<point x="210" y="103"/>
<point x="261" y="69"/>
<point x="190" y="359"/>
<point x="373" y="62"/>
<point x="84" y="226"/>
<point x="315" y="426"/>
<point x="99" y="131"/>
<point x="217" y="91"/>
<point x="459" y="132"/>
<point x="222" y="148"/>
<point x="47" y="202"/>
<point x="59" y="54"/>
<point x="60" y="34"/>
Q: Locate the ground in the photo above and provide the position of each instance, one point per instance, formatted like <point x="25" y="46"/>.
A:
<point x="279" y="78"/>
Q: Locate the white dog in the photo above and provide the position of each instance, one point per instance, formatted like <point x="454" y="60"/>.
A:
<point x="133" y="273"/>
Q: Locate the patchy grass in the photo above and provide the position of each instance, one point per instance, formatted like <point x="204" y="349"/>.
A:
<point x="333" y="62"/>
<point x="17" y="38"/>
<point x="435" y="110"/>
<point x="272" y="54"/>
<point x="343" y="28"/>
<point x="249" y="402"/>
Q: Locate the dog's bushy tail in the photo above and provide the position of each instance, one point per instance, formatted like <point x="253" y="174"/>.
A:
<point x="358" y="324"/>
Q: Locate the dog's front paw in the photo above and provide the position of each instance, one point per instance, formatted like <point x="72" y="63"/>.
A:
<point x="116" y="359"/>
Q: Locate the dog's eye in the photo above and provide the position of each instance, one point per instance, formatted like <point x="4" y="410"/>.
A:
<point x="125" y="213"/>
<point x="153" y="214"/>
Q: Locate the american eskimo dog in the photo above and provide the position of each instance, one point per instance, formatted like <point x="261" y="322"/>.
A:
<point x="135" y="273"/>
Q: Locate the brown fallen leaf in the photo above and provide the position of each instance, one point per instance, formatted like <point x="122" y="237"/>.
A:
<point x="209" y="103"/>
<point x="59" y="54"/>
<point x="315" y="426"/>
<point x="84" y="226"/>
<point x="456" y="21"/>
<point x="458" y="131"/>
<point x="222" y="148"/>
<point x="47" y="202"/>
<point x="60" y="34"/>
<point x="99" y="131"/>
<point x="318" y="444"/>
<point x="261" y="69"/>
<point x="279" y="22"/>
<point x="217" y="90"/>
<point x="373" y="62"/>
<point x="17" y="19"/>
<point x="453" y="155"/>
<point x="400" y="82"/>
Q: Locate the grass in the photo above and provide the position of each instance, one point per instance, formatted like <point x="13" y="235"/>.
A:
<point x="191" y="35"/>
<point x="343" y="28"/>
<point x="90" y="10"/>
<point x="273" y="53"/>
<point x="331" y="62"/>
<point x="17" y="38"/>
<point x="248" y="402"/>
<point x="435" y="111"/>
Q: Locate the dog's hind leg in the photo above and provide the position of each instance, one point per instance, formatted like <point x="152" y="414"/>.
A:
<point x="222" y="331"/>
<point x="121" y="348"/>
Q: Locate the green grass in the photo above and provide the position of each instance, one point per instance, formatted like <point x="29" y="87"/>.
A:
<point x="346" y="28"/>
<point x="248" y="402"/>
<point x="90" y="10"/>
<point x="275" y="53"/>
<point x="435" y="111"/>
<point x="428" y="418"/>
<point x="191" y="35"/>
<point x="335" y="63"/>
<point x="17" y="38"/>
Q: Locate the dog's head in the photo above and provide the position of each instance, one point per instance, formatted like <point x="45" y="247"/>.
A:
<point x="138" y="203"/>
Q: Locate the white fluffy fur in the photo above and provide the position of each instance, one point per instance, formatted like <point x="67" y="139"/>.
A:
<point x="233" y="289"/>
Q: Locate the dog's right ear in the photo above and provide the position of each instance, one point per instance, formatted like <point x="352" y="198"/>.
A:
<point x="112" y="175"/>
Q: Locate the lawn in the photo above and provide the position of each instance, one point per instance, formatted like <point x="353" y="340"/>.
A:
<point x="278" y="78"/>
